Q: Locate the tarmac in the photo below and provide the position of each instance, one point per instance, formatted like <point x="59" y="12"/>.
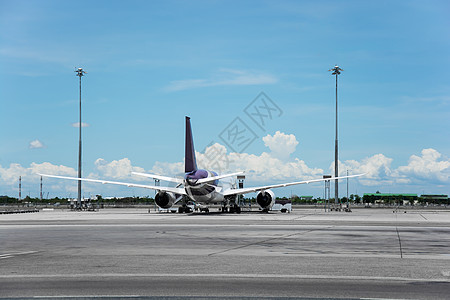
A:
<point x="309" y="253"/>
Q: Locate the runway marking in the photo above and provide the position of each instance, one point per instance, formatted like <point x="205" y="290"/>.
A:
<point x="398" y="235"/>
<point x="423" y="217"/>
<point x="219" y="276"/>
<point x="382" y="299"/>
<point x="399" y="242"/>
<point x="304" y="216"/>
<point x="267" y="240"/>
<point x="10" y="255"/>
<point x="90" y="296"/>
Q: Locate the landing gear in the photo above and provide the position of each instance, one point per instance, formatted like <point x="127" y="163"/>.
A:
<point x="233" y="209"/>
<point x="184" y="209"/>
<point x="206" y="209"/>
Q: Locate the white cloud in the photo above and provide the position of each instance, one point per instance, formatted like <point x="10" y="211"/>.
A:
<point x="266" y="167"/>
<point x="430" y="166"/>
<point x="77" y="124"/>
<point x="171" y="169"/>
<point x="48" y="168"/>
<point x="36" y="144"/>
<point x="9" y="176"/>
<point x="224" y="77"/>
<point x="117" y="169"/>
<point x="281" y="145"/>
<point x="215" y="158"/>
<point x="376" y="167"/>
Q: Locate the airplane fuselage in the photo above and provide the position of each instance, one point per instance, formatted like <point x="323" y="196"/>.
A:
<point x="205" y="192"/>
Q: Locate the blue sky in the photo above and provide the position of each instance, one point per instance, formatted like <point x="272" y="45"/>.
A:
<point x="150" y="63"/>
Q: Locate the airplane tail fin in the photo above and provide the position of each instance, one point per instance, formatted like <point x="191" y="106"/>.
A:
<point x="190" y="163"/>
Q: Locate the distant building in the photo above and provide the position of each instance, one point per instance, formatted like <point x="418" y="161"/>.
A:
<point x="435" y="199"/>
<point x="388" y="198"/>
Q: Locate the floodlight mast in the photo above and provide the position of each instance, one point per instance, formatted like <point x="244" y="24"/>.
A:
<point x="80" y="73"/>
<point x="336" y="71"/>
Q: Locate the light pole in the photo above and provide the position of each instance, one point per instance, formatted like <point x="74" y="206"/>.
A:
<point x="80" y="73"/>
<point x="327" y="190"/>
<point x="336" y="71"/>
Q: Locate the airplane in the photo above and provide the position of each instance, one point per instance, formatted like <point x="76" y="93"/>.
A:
<point x="203" y="187"/>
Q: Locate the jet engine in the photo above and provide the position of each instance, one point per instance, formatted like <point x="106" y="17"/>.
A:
<point x="165" y="199"/>
<point x="265" y="199"/>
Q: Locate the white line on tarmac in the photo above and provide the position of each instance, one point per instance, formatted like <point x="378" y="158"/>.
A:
<point x="89" y="296"/>
<point x="231" y="276"/>
<point x="9" y="255"/>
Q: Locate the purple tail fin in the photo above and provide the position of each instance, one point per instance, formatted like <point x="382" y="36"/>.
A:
<point x="190" y="163"/>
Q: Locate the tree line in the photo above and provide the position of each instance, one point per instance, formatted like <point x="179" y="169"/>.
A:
<point x="392" y="199"/>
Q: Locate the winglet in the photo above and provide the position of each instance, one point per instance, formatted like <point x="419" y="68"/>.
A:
<point x="190" y="163"/>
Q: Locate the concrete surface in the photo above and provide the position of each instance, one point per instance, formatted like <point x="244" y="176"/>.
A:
<point x="369" y="253"/>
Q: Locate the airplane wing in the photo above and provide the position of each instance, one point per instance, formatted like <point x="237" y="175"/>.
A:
<point x="175" y="190"/>
<point x="165" y="178"/>
<point x="229" y="192"/>
<point x="209" y="179"/>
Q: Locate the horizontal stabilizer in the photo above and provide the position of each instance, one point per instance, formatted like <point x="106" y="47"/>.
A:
<point x="209" y="179"/>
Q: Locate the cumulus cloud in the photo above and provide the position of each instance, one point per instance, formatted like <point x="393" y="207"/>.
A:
<point x="265" y="167"/>
<point x="36" y="144"/>
<point x="214" y="157"/>
<point x="48" y="168"/>
<point x="171" y="169"/>
<point x="9" y="176"/>
<point x="429" y="166"/>
<point x="377" y="169"/>
<point x="280" y="144"/>
<point x="116" y="169"/>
